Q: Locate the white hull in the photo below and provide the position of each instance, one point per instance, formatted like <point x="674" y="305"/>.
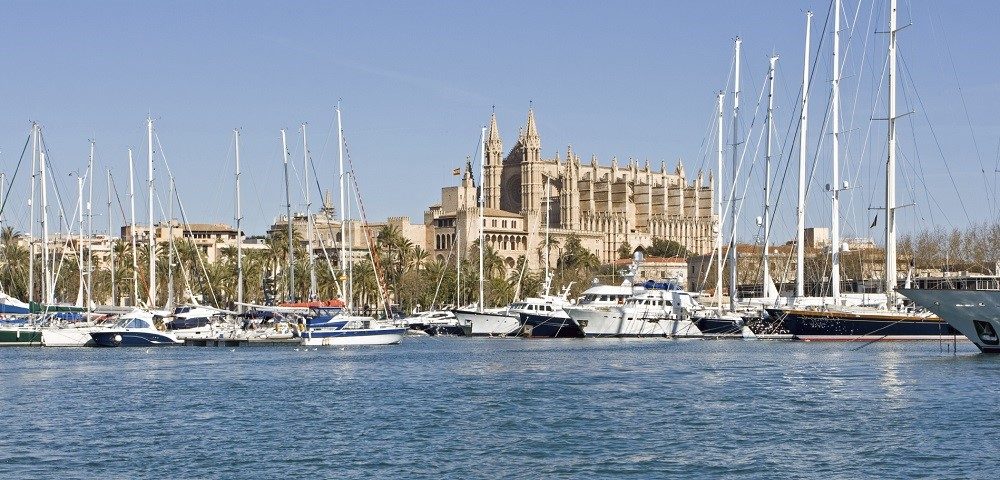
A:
<point x="490" y="324"/>
<point x="974" y="313"/>
<point x="357" y="338"/>
<point x="69" y="337"/>
<point x="611" y="323"/>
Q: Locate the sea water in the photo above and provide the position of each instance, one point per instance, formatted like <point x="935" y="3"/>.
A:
<point x="503" y="408"/>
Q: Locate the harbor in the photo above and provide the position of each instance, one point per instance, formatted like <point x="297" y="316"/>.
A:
<point x="516" y="240"/>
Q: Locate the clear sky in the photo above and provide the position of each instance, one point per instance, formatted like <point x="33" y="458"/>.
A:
<point x="418" y="79"/>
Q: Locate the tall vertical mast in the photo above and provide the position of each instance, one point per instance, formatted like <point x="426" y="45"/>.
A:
<point x="114" y="283"/>
<point x="718" y="195"/>
<point x="800" y="239"/>
<point x="239" y="230"/>
<point x="31" y="208"/>
<point x="835" y="179"/>
<point x="309" y="217"/>
<point x="288" y="218"/>
<point x="79" y="240"/>
<point x="890" y="165"/>
<point x="482" y="218"/>
<point x="767" y="176"/>
<point x="152" y="230"/>
<point x="131" y="199"/>
<point x="170" y="245"/>
<point x="548" y="200"/>
<point x="343" y="212"/>
<point x="732" y="206"/>
<point x="47" y="281"/>
<point x="90" y="229"/>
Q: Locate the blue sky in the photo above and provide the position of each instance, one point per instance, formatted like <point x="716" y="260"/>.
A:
<point x="418" y="79"/>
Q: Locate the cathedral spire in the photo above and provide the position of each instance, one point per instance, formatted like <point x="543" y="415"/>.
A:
<point x="493" y="142"/>
<point x="531" y="131"/>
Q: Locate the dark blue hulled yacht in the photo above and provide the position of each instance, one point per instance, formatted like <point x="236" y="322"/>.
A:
<point x="134" y="329"/>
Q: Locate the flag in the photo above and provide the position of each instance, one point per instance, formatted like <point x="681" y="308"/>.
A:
<point x="874" y="222"/>
<point x="456" y="171"/>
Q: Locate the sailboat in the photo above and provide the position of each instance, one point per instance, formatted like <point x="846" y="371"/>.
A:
<point x="893" y="320"/>
<point x="335" y="326"/>
<point x="138" y="327"/>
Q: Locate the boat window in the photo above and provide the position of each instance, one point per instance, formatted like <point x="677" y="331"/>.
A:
<point x="987" y="334"/>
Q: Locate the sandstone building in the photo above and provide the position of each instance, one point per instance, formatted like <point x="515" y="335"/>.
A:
<point x="605" y="206"/>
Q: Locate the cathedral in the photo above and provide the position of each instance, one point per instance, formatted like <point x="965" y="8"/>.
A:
<point x="604" y="206"/>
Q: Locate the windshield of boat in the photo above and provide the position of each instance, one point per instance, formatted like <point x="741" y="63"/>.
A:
<point x="133" y="322"/>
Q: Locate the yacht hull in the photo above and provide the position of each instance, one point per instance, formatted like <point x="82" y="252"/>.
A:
<point x="486" y="324"/>
<point x="361" y="336"/>
<point x="611" y="323"/>
<point x="448" y="330"/>
<point x="133" y="338"/>
<point x="546" y="326"/>
<point x="822" y="325"/>
<point x="719" y="326"/>
<point x="973" y="313"/>
<point x="68" y="337"/>
<point x="20" y="336"/>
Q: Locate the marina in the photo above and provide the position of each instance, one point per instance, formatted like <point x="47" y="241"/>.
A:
<point x="508" y="240"/>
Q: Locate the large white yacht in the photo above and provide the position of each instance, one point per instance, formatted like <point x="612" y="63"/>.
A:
<point x="657" y="311"/>
<point x="974" y="313"/>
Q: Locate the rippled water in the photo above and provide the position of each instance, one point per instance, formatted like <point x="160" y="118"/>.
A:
<point x="482" y="408"/>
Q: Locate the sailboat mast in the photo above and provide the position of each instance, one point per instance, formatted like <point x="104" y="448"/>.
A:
<point x="239" y="229"/>
<point x="548" y="279"/>
<point x="309" y="218"/>
<point x="170" y="245"/>
<point x="482" y="218"/>
<point x="800" y="240"/>
<point x="114" y="283"/>
<point x="131" y="199"/>
<point x="343" y="212"/>
<point x="47" y="282"/>
<point x="152" y="231"/>
<point x="288" y="217"/>
<point x="767" y="175"/>
<point x="890" y="165"/>
<point x="835" y="180"/>
<point x="90" y="228"/>
<point x="717" y="187"/>
<point x="31" y="215"/>
<point x="736" y="141"/>
<point x="79" y="240"/>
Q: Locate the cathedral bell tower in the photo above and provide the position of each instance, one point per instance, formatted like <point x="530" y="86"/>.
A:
<point x="493" y="165"/>
<point x="531" y="171"/>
